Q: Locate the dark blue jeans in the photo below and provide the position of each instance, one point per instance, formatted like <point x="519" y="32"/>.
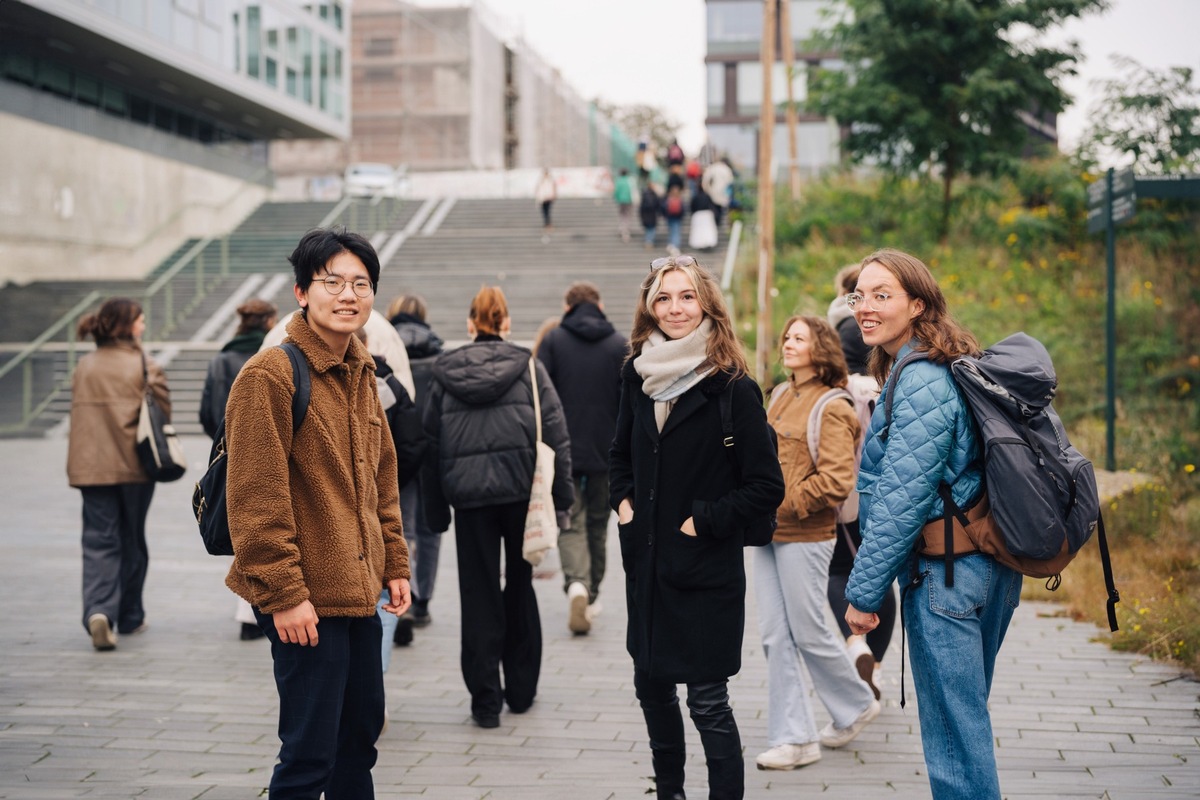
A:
<point x="330" y="709"/>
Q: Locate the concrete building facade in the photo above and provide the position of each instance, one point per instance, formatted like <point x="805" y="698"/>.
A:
<point x="446" y="88"/>
<point x="130" y="125"/>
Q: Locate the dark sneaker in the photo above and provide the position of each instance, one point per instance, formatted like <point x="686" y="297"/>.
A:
<point x="404" y="630"/>
<point x="486" y="720"/>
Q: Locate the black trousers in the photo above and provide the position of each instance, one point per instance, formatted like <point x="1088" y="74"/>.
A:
<point x="501" y="628"/>
<point x="115" y="557"/>
<point x="708" y="704"/>
<point x="330" y="709"/>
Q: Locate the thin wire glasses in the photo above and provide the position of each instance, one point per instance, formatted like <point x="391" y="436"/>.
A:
<point x="335" y="284"/>
<point x="856" y="301"/>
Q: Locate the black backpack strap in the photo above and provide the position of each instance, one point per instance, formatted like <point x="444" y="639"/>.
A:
<point x="1114" y="596"/>
<point x="302" y="382"/>
<point x="950" y="512"/>
<point x="725" y="403"/>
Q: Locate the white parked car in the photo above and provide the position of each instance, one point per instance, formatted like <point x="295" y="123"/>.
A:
<point x="366" y="179"/>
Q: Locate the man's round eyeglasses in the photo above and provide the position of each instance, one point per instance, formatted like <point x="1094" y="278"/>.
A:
<point x="334" y="285"/>
<point x="857" y="301"/>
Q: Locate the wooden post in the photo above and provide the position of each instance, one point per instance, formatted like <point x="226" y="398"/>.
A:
<point x="789" y="66"/>
<point x="766" y="196"/>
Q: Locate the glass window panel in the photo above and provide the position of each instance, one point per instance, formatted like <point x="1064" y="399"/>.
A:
<point x="272" y="75"/>
<point x="749" y="87"/>
<point x="87" y="90"/>
<point x="54" y="78"/>
<point x="716" y="89"/>
<point x="253" y="40"/>
<point x="734" y="22"/>
<point x="807" y="18"/>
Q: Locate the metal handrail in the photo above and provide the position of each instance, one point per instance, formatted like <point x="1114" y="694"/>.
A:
<point x="24" y="359"/>
<point x="161" y="288"/>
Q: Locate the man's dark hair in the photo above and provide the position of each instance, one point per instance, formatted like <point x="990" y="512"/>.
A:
<point x="582" y="292"/>
<point x="320" y="245"/>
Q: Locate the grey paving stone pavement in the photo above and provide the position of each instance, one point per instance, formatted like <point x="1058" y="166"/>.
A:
<point x="186" y="710"/>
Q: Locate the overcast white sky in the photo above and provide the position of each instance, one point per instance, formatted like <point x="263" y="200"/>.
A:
<point x="652" y="51"/>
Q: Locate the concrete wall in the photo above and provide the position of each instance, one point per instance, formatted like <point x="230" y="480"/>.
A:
<point x="76" y="207"/>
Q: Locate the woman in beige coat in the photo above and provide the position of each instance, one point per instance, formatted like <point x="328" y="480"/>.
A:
<point x="102" y="462"/>
<point x="791" y="573"/>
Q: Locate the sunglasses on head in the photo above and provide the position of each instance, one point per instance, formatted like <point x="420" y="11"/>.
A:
<point x="677" y="261"/>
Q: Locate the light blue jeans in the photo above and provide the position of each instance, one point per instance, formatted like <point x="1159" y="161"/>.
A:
<point x="789" y="585"/>
<point x="675" y="232"/>
<point x="953" y="637"/>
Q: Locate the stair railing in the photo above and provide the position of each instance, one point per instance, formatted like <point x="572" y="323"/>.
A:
<point x="158" y="303"/>
<point x="24" y="359"/>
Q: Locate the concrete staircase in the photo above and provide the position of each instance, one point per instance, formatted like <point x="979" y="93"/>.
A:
<point x="446" y="250"/>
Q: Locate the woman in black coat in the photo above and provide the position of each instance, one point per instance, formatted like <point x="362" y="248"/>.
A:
<point x="683" y="501"/>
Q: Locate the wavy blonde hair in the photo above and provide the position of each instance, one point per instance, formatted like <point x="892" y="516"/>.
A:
<point x="724" y="350"/>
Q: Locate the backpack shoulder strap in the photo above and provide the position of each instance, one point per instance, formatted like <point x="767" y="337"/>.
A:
<point x="814" y="418"/>
<point x="302" y="382"/>
<point x="890" y="388"/>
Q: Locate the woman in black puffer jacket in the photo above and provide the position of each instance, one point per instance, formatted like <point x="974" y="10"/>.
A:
<point x="481" y="428"/>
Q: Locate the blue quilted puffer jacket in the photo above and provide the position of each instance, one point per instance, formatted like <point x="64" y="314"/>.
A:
<point x="932" y="439"/>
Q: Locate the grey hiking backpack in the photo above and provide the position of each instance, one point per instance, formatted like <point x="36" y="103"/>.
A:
<point x="1042" y="491"/>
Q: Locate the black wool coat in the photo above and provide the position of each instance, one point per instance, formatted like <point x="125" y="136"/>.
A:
<point x="687" y="595"/>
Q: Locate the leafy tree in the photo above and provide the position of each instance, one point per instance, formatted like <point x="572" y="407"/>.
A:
<point x="642" y="122"/>
<point x="1153" y="116"/>
<point x="944" y="86"/>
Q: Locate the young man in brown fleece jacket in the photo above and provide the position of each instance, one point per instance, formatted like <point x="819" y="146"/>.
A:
<point x="315" y="523"/>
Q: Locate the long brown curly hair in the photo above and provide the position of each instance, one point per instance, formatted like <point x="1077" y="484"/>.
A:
<point x="825" y="349"/>
<point x="934" y="330"/>
<point x="724" y="350"/>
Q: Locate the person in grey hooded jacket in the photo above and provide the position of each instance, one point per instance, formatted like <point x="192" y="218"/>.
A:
<point x="482" y="432"/>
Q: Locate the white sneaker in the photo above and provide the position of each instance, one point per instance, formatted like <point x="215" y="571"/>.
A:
<point x="577" y="598"/>
<point x="864" y="662"/>
<point x="594" y="610"/>
<point x="834" y="738"/>
<point x="789" y="756"/>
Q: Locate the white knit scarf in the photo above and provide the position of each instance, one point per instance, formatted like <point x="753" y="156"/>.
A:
<point x="669" y="367"/>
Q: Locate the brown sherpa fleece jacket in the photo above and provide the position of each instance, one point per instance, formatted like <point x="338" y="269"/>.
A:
<point x="313" y="517"/>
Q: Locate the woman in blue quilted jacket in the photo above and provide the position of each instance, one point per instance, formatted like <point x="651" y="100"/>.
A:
<point x="954" y="632"/>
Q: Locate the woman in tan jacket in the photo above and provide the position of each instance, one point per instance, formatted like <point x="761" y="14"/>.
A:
<point x="102" y="462"/>
<point x="791" y="573"/>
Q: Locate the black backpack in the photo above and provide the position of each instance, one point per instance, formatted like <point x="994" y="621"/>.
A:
<point x="208" y="498"/>
<point x="408" y="435"/>
<point x="1042" y="493"/>
<point x="760" y="530"/>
